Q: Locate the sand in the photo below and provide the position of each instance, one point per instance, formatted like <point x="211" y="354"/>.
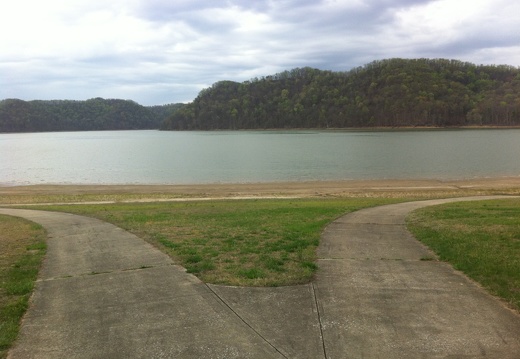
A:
<point x="355" y="188"/>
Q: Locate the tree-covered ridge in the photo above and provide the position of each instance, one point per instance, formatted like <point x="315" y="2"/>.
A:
<point x="164" y="111"/>
<point x="387" y="93"/>
<point x="66" y="115"/>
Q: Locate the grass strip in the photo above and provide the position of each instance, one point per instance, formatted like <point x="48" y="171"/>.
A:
<point x="261" y="242"/>
<point x="22" y="247"/>
<point x="481" y="239"/>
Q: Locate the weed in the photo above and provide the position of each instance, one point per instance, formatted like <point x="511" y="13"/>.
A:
<point x="199" y="266"/>
<point x="252" y="273"/>
<point x="309" y="265"/>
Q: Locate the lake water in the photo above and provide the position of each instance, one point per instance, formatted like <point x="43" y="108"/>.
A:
<point x="155" y="157"/>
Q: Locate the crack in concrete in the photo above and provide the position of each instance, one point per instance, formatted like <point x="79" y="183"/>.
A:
<point x="92" y="273"/>
<point x="319" y="321"/>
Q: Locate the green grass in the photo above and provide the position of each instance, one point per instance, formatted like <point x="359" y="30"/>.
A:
<point x="236" y="242"/>
<point x="22" y="246"/>
<point x="481" y="239"/>
<point x="269" y="242"/>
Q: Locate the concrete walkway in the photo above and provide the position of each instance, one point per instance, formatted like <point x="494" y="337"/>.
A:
<point x="104" y="293"/>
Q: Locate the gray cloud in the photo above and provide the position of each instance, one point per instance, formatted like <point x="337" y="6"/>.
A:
<point x="160" y="51"/>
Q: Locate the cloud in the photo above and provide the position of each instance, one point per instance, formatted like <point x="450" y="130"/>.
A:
<point x="461" y="29"/>
<point x="161" y="51"/>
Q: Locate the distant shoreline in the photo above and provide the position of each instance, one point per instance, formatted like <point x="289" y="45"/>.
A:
<point x="338" y="129"/>
<point x="354" y="129"/>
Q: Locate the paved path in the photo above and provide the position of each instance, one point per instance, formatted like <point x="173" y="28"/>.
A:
<point x="104" y="293"/>
<point x="378" y="299"/>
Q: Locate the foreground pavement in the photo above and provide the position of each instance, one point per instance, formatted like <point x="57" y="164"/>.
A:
<point x="104" y="293"/>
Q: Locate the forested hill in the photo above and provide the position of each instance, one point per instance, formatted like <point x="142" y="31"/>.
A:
<point x="94" y="114"/>
<point x="387" y="93"/>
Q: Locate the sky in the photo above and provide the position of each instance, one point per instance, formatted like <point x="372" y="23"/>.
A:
<point x="165" y="51"/>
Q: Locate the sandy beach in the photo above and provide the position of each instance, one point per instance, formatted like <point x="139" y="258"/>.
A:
<point x="354" y="188"/>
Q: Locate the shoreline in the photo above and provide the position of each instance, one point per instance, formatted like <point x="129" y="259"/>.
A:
<point x="269" y="189"/>
<point x="325" y="129"/>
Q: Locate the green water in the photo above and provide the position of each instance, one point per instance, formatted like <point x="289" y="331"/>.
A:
<point x="154" y="157"/>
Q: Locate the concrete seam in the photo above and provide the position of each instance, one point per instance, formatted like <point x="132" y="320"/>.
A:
<point x="244" y="321"/>
<point x="319" y="320"/>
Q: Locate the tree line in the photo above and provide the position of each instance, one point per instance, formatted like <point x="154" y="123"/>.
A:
<point x="66" y="115"/>
<point x="385" y="93"/>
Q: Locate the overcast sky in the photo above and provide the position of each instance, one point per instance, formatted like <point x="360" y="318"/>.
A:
<point x="166" y="51"/>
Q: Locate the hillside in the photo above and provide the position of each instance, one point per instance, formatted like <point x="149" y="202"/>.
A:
<point x="387" y="93"/>
<point x="94" y="114"/>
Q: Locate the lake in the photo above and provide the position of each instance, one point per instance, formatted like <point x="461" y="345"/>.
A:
<point x="156" y="157"/>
